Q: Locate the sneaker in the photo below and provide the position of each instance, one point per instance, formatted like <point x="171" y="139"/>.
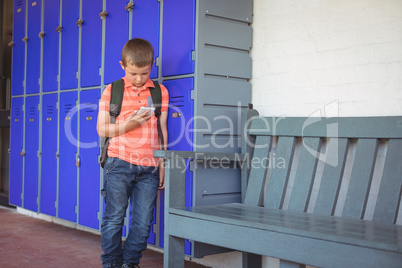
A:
<point x="113" y="264"/>
<point x="129" y="265"/>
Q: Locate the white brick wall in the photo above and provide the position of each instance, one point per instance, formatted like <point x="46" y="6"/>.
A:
<point x="308" y="53"/>
<point x="342" y="57"/>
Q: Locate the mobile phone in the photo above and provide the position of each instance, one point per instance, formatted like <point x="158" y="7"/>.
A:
<point x="148" y="110"/>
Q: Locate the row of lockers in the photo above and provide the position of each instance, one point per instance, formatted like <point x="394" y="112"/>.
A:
<point x="54" y="153"/>
<point x="67" y="42"/>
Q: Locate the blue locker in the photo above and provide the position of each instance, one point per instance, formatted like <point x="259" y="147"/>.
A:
<point x="178" y="37"/>
<point x="180" y="129"/>
<point x="116" y="37"/>
<point x="16" y="151"/>
<point x="31" y="153"/>
<point x="146" y="25"/>
<point x="89" y="188"/>
<point x="91" y="46"/>
<point x="33" y="46"/>
<point x="48" y="186"/>
<point x="67" y="156"/>
<point x="69" y="44"/>
<point x="51" y="45"/>
<point x="18" y="48"/>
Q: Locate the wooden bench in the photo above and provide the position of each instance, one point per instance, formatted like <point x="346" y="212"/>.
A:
<point x="324" y="192"/>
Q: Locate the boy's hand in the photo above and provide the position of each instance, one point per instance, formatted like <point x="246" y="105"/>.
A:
<point x="135" y="119"/>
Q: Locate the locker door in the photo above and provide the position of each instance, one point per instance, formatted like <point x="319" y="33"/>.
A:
<point x="51" y="45"/>
<point x="18" y="49"/>
<point x="91" y="43"/>
<point x="116" y="37"/>
<point x="89" y="188"/>
<point x="69" y="44"/>
<point x="67" y="160"/>
<point x="178" y="37"/>
<point x="16" y="151"/>
<point x="31" y="153"/>
<point x="33" y="46"/>
<point x="180" y="129"/>
<point x="146" y="25"/>
<point x="48" y="184"/>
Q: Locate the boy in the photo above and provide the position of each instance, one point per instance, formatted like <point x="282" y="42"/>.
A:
<point x="131" y="173"/>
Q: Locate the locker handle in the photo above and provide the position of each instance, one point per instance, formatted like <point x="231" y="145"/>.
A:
<point x="103" y="13"/>
<point x="25" y="39"/>
<point x="11" y="44"/>
<point x="41" y="34"/>
<point x="59" y="28"/>
<point x="129" y="6"/>
<point x="80" y="22"/>
<point x="22" y="153"/>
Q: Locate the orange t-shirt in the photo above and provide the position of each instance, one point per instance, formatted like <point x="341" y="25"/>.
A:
<point x="137" y="145"/>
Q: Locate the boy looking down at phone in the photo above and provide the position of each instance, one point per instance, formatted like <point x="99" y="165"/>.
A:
<point x="131" y="173"/>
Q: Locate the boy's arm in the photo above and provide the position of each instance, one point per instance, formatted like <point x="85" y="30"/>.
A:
<point x="163" y="121"/>
<point x="106" y="129"/>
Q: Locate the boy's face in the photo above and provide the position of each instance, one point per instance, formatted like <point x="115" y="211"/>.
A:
<point x="136" y="75"/>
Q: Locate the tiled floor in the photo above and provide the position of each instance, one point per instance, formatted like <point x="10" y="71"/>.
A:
<point x="31" y="242"/>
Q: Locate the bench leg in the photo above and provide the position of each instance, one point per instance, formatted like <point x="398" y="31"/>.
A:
<point x="173" y="252"/>
<point x="289" y="264"/>
<point x="251" y="260"/>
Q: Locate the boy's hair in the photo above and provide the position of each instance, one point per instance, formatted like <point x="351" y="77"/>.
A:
<point x="138" y="52"/>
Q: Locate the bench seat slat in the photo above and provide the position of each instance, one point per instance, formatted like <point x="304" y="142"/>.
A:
<point x="391" y="184"/>
<point x="362" y="233"/>
<point x="332" y="176"/>
<point x="360" y="180"/>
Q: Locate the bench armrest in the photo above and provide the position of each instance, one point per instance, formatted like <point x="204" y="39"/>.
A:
<point x="177" y="165"/>
<point x="206" y="156"/>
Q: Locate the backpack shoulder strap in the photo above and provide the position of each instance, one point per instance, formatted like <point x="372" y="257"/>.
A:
<point x="156" y="95"/>
<point x="116" y="99"/>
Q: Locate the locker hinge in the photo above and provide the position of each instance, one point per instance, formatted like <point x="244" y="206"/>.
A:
<point x="192" y="94"/>
<point x="78" y="162"/>
<point x="130" y="6"/>
<point x="193" y="55"/>
<point x="56" y="204"/>
<point x="158" y="61"/>
<point x="57" y="154"/>
<point x="103" y="14"/>
<point x="58" y="78"/>
<point x="39" y="153"/>
<point x="80" y="22"/>
<point x="77" y="75"/>
<point x="76" y="209"/>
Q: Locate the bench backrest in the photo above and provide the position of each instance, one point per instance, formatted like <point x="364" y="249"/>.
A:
<point x="349" y="167"/>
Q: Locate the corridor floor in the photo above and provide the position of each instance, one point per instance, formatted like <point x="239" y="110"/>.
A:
<point x="29" y="242"/>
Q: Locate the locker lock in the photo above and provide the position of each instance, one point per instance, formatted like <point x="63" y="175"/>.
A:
<point x="25" y="39"/>
<point x="129" y="6"/>
<point x="22" y="153"/>
<point x="11" y="44"/>
<point x="41" y="34"/>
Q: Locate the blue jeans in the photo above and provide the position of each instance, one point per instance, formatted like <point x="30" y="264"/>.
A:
<point x="123" y="182"/>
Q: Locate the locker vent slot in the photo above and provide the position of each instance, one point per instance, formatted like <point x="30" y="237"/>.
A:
<point x="19" y="3"/>
<point x="17" y="112"/>
<point x="31" y="111"/>
<point x="177" y="101"/>
<point x="49" y="109"/>
<point x="68" y="107"/>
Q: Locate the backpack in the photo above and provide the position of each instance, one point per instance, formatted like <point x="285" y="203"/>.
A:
<point x="116" y="99"/>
